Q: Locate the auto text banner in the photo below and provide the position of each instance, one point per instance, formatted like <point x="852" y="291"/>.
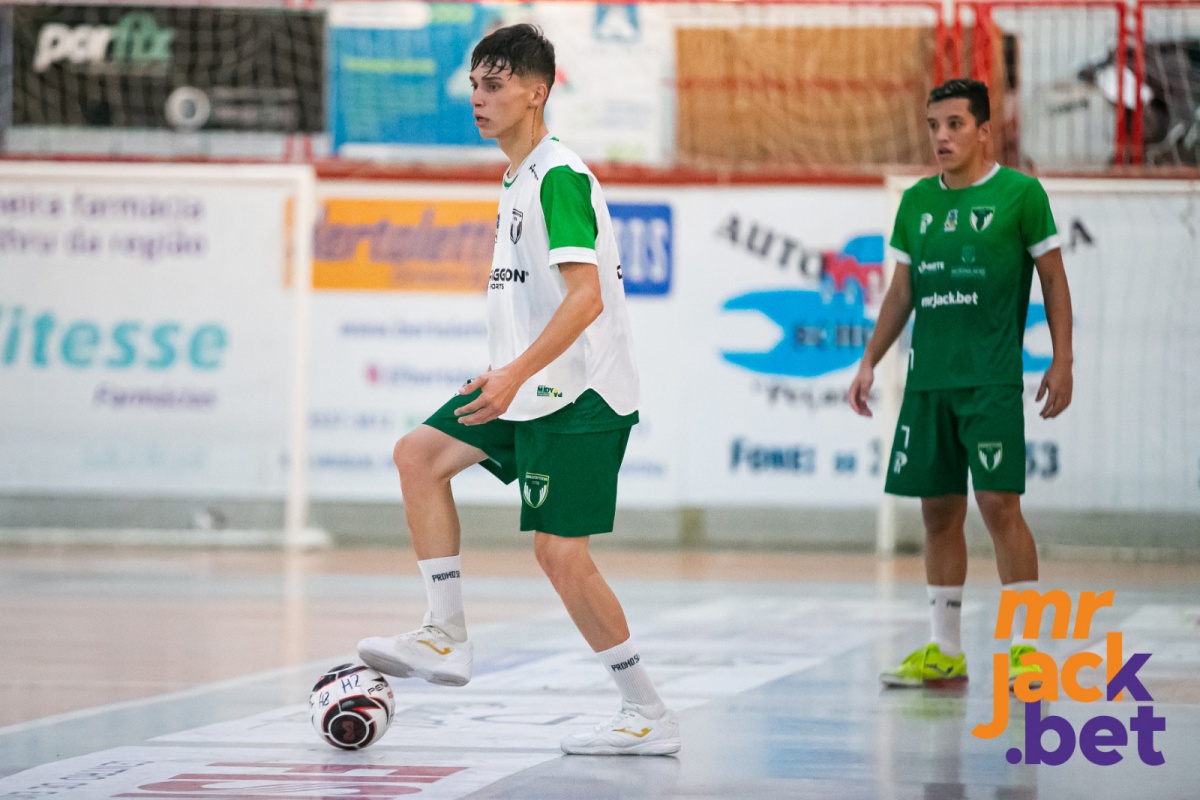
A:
<point x="780" y="287"/>
<point x="143" y="336"/>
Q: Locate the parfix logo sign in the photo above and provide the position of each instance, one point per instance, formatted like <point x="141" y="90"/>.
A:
<point x="134" y="41"/>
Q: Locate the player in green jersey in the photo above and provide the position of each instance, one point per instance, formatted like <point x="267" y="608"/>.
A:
<point x="553" y="411"/>
<point x="966" y="243"/>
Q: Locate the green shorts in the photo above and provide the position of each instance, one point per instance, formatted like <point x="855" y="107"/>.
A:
<point x="942" y="432"/>
<point x="568" y="479"/>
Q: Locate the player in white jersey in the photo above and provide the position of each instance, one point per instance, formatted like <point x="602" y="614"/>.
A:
<point x="553" y="411"/>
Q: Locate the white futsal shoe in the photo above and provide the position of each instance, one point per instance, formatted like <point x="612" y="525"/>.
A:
<point x="627" y="734"/>
<point x="424" y="653"/>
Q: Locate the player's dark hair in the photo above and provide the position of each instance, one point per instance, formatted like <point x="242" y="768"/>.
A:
<point x="974" y="92"/>
<point x="523" y="48"/>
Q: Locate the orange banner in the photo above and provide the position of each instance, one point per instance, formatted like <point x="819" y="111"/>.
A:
<point x="404" y="245"/>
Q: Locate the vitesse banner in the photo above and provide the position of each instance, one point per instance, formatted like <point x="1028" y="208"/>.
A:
<point x="185" y="68"/>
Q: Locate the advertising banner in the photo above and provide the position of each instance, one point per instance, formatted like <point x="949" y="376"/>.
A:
<point x="398" y="72"/>
<point x="399" y="77"/>
<point x="186" y="68"/>
<point x="144" y="336"/>
<point x="781" y="288"/>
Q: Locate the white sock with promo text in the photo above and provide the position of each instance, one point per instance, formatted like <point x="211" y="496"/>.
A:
<point x="1018" y="631"/>
<point x="625" y="666"/>
<point x="443" y="588"/>
<point x="945" y="610"/>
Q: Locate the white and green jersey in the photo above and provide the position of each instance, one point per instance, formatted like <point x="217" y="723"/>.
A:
<point x="970" y="255"/>
<point x="553" y="212"/>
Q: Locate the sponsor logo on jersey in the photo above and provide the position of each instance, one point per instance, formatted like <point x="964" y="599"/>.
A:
<point x="926" y="221"/>
<point x="968" y="272"/>
<point x="968" y="254"/>
<point x="991" y="454"/>
<point x="535" y="489"/>
<point x="930" y="266"/>
<point x="951" y="223"/>
<point x="548" y="391"/>
<point x="950" y="299"/>
<point x="502" y="277"/>
<point x="981" y="217"/>
<point x="516" y="226"/>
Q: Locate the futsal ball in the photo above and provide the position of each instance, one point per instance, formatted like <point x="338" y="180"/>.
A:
<point x="351" y="706"/>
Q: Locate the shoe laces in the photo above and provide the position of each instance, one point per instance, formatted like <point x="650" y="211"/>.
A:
<point x="915" y="658"/>
<point x="425" y="632"/>
<point x="620" y="720"/>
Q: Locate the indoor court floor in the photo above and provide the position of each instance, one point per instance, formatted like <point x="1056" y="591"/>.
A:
<point x="177" y="673"/>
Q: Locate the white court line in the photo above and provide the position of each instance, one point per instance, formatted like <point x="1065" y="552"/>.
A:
<point x="315" y="667"/>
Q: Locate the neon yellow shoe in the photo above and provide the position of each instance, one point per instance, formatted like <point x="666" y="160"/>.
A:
<point x="927" y="666"/>
<point x="1015" y="667"/>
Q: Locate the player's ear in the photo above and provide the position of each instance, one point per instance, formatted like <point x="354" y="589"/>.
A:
<point x="540" y="93"/>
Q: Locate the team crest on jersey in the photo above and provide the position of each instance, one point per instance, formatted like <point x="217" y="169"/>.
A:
<point x="981" y="217"/>
<point x="926" y="221"/>
<point x="991" y="454"/>
<point x="517" y="225"/>
<point x="535" y="489"/>
<point x="968" y="254"/>
<point x="951" y="223"/>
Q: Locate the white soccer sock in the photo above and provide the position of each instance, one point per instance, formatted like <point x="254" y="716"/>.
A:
<point x="443" y="588"/>
<point x="625" y="666"/>
<point x="945" y="611"/>
<point x="1019" y="615"/>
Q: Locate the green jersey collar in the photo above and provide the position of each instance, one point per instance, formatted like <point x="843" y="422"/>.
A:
<point x="991" y="173"/>
<point x="517" y="171"/>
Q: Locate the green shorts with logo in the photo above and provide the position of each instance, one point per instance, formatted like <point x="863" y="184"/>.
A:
<point x="567" y="462"/>
<point x="941" y="433"/>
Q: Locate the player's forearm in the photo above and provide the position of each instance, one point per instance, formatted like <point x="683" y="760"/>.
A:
<point x="579" y="309"/>
<point x="1057" y="296"/>
<point x="893" y="316"/>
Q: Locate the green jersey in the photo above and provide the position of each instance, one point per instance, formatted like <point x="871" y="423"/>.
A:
<point x="970" y="259"/>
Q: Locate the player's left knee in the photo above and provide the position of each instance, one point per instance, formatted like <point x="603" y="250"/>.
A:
<point x="1000" y="510"/>
<point x="561" y="559"/>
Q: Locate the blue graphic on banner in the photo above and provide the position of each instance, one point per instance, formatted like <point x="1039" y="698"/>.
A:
<point x="1032" y="362"/>
<point x="406" y="85"/>
<point x="617" y="23"/>
<point x="823" y="330"/>
<point x="644" y="241"/>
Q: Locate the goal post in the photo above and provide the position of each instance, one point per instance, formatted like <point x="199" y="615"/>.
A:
<point x="154" y="339"/>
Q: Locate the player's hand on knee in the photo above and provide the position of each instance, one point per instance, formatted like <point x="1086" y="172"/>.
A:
<point x="1057" y="386"/>
<point x="860" y="390"/>
<point x="496" y="392"/>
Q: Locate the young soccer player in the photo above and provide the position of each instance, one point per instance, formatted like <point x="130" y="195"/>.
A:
<point x="553" y="411"/>
<point x="966" y="243"/>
